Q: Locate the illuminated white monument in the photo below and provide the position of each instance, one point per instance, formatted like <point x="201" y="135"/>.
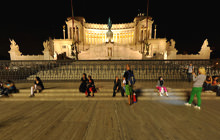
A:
<point x="111" y="41"/>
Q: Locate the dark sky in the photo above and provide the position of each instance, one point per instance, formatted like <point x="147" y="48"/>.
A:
<point x="30" y="23"/>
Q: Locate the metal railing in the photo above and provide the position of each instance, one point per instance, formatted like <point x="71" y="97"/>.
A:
<point x="100" y="70"/>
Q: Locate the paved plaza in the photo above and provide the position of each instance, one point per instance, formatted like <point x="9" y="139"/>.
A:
<point x="108" y="120"/>
<point x="104" y="117"/>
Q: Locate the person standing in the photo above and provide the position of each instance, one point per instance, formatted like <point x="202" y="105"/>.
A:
<point x="130" y="81"/>
<point x="117" y="87"/>
<point x="190" y="70"/>
<point x="197" y="87"/>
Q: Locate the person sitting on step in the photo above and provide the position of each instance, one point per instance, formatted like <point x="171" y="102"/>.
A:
<point x="124" y="83"/>
<point x="207" y="86"/>
<point x="214" y="81"/>
<point x="91" y="87"/>
<point x="218" y="88"/>
<point x="8" y="87"/>
<point x="117" y="87"/>
<point x="160" y="87"/>
<point x="1" y="86"/>
<point x="37" y="87"/>
<point x="83" y="85"/>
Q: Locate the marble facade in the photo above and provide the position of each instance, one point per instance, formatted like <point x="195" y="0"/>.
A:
<point x="127" y="42"/>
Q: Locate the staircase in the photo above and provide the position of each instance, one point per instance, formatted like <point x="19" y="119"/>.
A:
<point x="105" y="70"/>
<point x="105" y="94"/>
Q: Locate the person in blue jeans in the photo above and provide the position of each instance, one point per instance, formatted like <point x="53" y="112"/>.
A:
<point x="117" y="87"/>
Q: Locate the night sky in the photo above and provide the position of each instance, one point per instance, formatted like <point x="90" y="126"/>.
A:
<point x="30" y="23"/>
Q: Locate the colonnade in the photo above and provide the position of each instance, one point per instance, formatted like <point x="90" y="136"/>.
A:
<point x="142" y="34"/>
<point x="74" y="32"/>
<point x="118" y="37"/>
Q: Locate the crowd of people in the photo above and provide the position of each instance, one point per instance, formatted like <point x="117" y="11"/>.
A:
<point x="125" y="87"/>
<point x="87" y="85"/>
<point x="212" y="84"/>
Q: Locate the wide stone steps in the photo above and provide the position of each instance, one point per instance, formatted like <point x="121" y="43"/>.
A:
<point x="102" y="98"/>
<point x="103" y="94"/>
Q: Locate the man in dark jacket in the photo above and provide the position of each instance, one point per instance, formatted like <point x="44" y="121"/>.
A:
<point x="117" y="87"/>
<point x="128" y="88"/>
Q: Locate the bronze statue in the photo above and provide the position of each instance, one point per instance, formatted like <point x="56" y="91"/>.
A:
<point x="109" y="23"/>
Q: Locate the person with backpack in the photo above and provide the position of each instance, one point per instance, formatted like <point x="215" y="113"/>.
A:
<point x="130" y="81"/>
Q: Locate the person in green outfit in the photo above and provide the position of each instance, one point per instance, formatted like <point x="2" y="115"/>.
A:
<point x="197" y="88"/>
<point x="128" y="86"/>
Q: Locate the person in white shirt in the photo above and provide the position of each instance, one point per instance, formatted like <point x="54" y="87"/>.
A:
<point x="190" y="70"/>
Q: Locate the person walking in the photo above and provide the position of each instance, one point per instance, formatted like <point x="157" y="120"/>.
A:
<point x="190" y="70"/>
<point x="130" y="81"/>
<point x="117" y="87"/>
<point x="197" y="87"/>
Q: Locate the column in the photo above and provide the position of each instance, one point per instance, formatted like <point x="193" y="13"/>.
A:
<point x="155" y="32"/>
<point x="119" y="37"/>
<point x="68" y="29"/>
<point x="75" y="34"/>
<point x="89" y="38"/>
<point x="129" y="36"/>
<point x="79" y="34"/>
<point x="93" y="38"/>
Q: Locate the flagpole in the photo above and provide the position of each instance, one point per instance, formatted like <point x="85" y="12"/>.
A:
<point x="73" y="43"/>
<point x="147" y="20"/>
<point x="72" y="19"/>
<point x="146" y="44"/>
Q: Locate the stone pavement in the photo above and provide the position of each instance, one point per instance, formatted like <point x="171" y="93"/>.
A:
<point x="60" y="112"/>
<point x="108" y="120"/>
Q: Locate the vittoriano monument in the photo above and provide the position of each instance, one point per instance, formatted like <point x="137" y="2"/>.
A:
<point x="112" y="41"/>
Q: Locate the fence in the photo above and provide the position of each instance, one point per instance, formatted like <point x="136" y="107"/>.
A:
<point x="100" y="70"/>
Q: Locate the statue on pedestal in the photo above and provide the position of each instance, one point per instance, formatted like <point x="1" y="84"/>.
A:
<point x="109" y="34"/>
<point x="46" y="46"/>
<point x="109" y="24"/>
<point x="205" y="49"/>
<point x="14" y="47"/>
